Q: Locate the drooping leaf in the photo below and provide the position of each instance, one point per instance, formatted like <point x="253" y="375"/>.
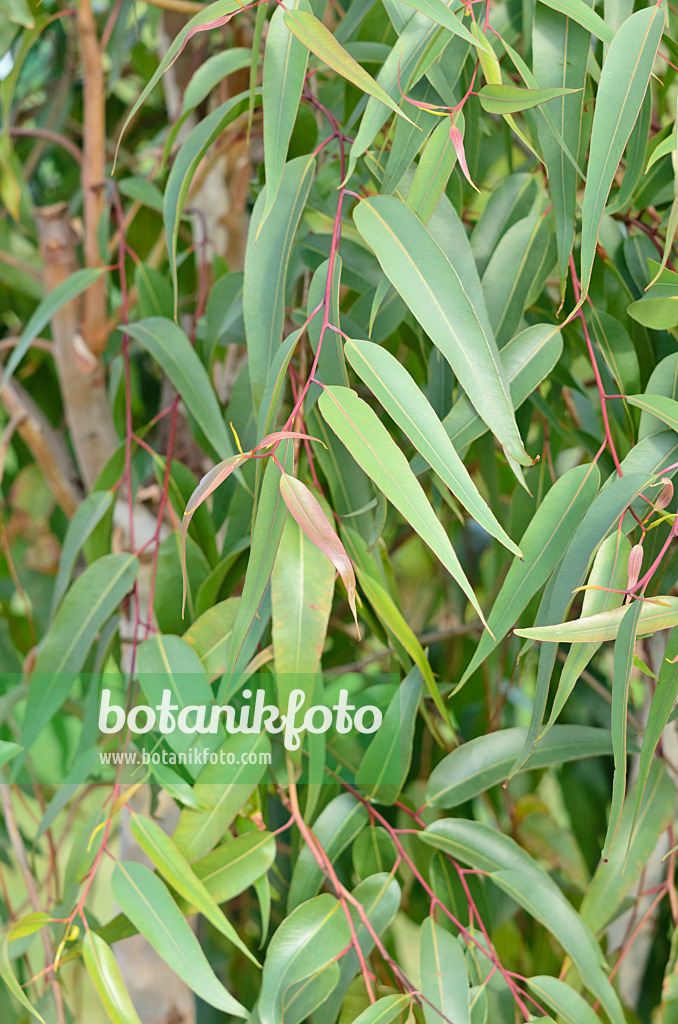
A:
<point x="386" y="762"/>
<point x="336" y="827"/>
<point x="655" y="613"/>
<point x="373" y="448"/>
<point x="623" y="83"/>
<point x="88" y="515"/>
<point x="584" y="15"/>
<point x="657" y="308"/>
<point x="390" y="382"/>
<point x="107" y="978"/>
<point x="385" y="1010"/>
<point x="148" y="904"/>
<point x="508" y="99"/>
<point x="419" y="269"/>
<point x="444" y="978"/>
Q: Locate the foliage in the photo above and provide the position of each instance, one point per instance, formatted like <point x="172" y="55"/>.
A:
<point x="443" y="237"/>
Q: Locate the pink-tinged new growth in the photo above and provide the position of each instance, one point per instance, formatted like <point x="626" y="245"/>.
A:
<point x="635" y="564"/>
<point x="209" y="483"/>
<point x="284" y="435"/>
<point x="665" y="495"/>
<point x="307" y="511"/>
<point x="457" y="140"/>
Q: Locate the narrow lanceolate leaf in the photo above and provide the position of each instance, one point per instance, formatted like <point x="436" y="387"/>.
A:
<point x="657" y="308"/>
<point x="312" y="936"/>
<point x="107" y="978"/>
<point x="174" y="867"/>
<point x="266" y="259"/>
<point x="390" y="382"/>
<point x="320" y="41"/>
<point x="209" y="483"/>
<point x="74" y="285"/>
<point x="169" y="346"/>
<point x="432" y="174"/>
<point x="508" y="99"/>
<point x="560" y="49"/>
<point x="623" y="83"/>
<point x="149" y="906"/>
<point x="419" y="269"/>
<point x="8" y="976"/>
<point x="386" y="761"/>
<point x="213" y="16"/>
<point x="584" y="15"/>
<point x="570" y="1006"/>
<point x="307" y="511"/>
<point x="623" y="663"/>
<point x="183" y="170"/>
<point x="543" y="545"/>
<point x="385" y="1010"/>
<point x="444" y="978"/>
<point x="373" y="448"/>
<point x="438" y="11"/>
<point x="89" y="514"/>
<point x="486" y="760"/>
<point x="655" y="613"/>
<point x="335" y="828"/>
<point x="91" y="600"/>
<point x="285" y="62"/>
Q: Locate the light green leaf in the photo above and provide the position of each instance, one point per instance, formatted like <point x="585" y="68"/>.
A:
<point x="433" y="171"/>
<point x="91" y="600"/>
<point x="373" y="448"/>
<point x="390" y="382"/>
<point x="486" y="760"/>
<point x="309" y="938"/>
<point x="210" y="635"/>
<point x="233" y="867"/>
<point x="173" y="867"/>
<point x="563" y="1000"/>
<point x="75" y="284"/>
<point x="510" y="202"/>
<point x="508" y="99"/>
<point x="321" y="42"/>
<point x="584" y="15"/>
<point x="285" y="62"/>
<point x="103" y="969"/>
<point x="149" y="906"/>
<point x="385" y="1010"/>
<point x="386" y="762"/>
<point x="658" y="307"/>
<point x="438" y="11"/>
<point x="444" y="978"/>
<point x="208" y="75"/>
<point x="623" y="83"/>
<point x="528" y="248"/>
<point x="88" y="515"/>
<point x="8" y="976"/>
<point x="543" y="545"/>
<point x="656" y="613"/>
<point x="266" y="259"/>
<point x="419" y="269"/>
<point x="168" y="345"/>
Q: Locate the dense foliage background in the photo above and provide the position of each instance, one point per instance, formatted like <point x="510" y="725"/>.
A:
<point x="403" y="273"/>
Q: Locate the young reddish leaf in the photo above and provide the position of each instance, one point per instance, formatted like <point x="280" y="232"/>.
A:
<point x="306" y="509"/>
<point x="209" y="483"/>
<point x="665" y="495"/>
<point x="635" y="565"/>
<point x="284" y="435"/>
<point x="457" y="141"/>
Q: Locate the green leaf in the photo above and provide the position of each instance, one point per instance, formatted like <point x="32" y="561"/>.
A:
<point x="543" y="545"/>
<point x="623" y="663"/>
<point x="630" y="853"/>
<point x="584" y="15"/>
<point x="386" y="762"/>
<point x="91" y="600"/>
<point x="268" y="527"/>
<point x="8" y="976"/>
<point x="88" y="515"/>
<point x="222" y="791"/>
<point x="266" y="259"/>
<point x="66" y="291"/>
<point x="103" y="969"/>
<point x="233" y="867"/>
<point x="618" y="350"/>
<point x="175" y="869"/>
<point x="213" y="16"/>
<point x="213" y="71"/>
<point x="390" y="382"/>
<point x="656" y="613"/>
<point x="658" y="308"/>
<point x="563" y="1000"/>
<point x="18" y="12"/>
<point x="508" y="99"/>
<point x="285" y="62"/>
<point x="8" y="750"/>
<point x="335" y="829"/>
<point x="623" y="83"/>
<point x="183" y="170"/>
<point x="168" y="345"/>
<point x="433" y="171"/>
<point x="321" y="42"/>
<point x="510" y="202"/>
<point x="210" y="635"/>
<point x="438" y="11"/>
<point x="444" y="978"/>
<point x="433" y="291"/>
<point x="385" y="1010"/>
<point x="560" y="48"/>
<point x="528" y="248"/>
<point x="149" y="906"/>
<point x="302" y="586"/>
<point x="664" y="382"/>
<point x="373" y="448"/>
<point x="486" y="760"/>
<point x="309" y="938"/>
